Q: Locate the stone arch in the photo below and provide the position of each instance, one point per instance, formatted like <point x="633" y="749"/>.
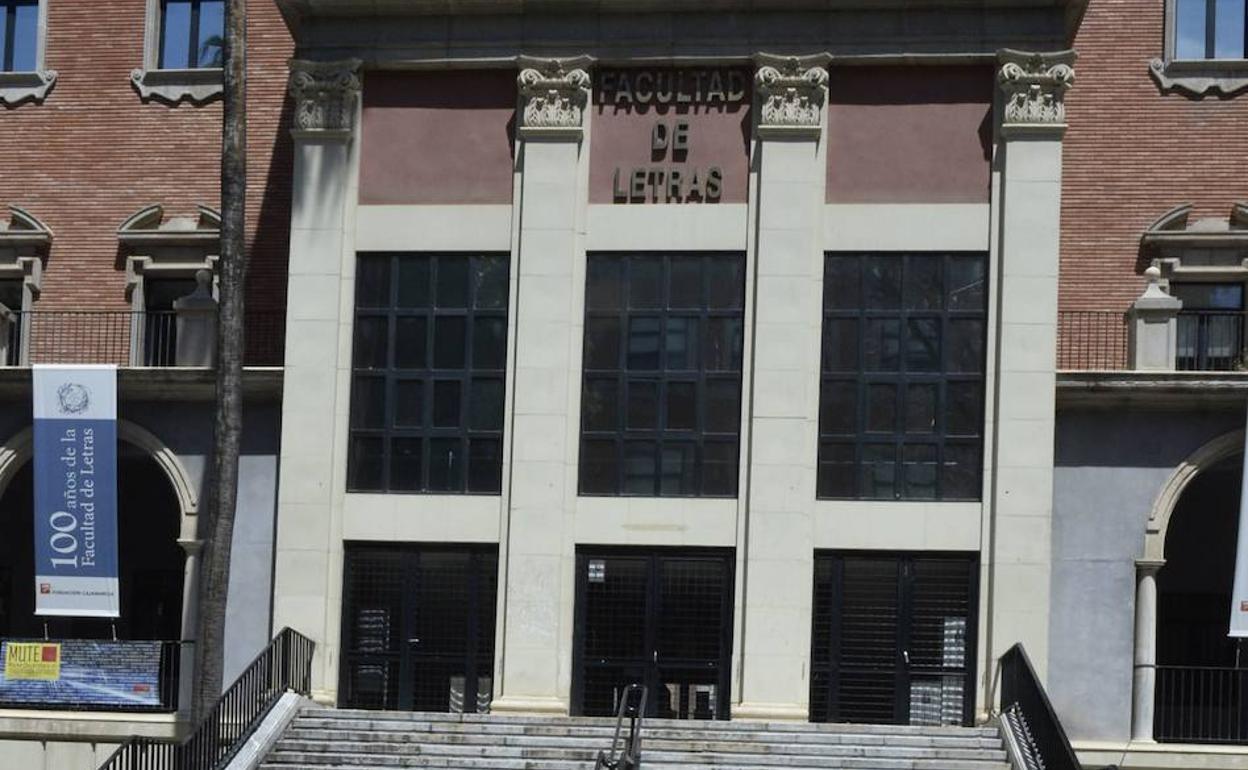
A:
<point x="1202" y="459"/>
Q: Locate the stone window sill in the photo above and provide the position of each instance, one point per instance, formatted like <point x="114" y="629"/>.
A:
<point x="1200" y="77"/>
<point x="197" y="86"/>
<point x="18" y="87"/>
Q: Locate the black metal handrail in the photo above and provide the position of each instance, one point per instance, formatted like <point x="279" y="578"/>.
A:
<point x="1030" y="716"/>
<point x="1210" y="340"/>
<point x="628" y="756"/>
<point x="284" y="666"/>
<point x="1201" y="704"/>
<point x="1092" y="340"/>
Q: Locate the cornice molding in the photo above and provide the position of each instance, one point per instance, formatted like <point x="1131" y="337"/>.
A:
<point x="325" y="95"/>
<point x="1035" y="86"/>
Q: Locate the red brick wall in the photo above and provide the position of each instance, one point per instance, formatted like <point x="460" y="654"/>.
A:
<point x="92" y="154"/>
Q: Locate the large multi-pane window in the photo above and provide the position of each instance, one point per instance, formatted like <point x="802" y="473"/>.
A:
<point x="661" y="401"/>
<point x="191" y="33"/>
<point x="1209" y="29"/>
<point x="19" y="35"/>
<point x="902" y="404"/>
<point x="428" y="365"/>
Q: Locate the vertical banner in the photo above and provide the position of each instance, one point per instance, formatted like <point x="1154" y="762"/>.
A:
<point x="1239" y="592"/>
<point x="75" y="410"/>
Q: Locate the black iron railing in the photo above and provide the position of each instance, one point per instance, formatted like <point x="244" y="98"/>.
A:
<point x="1092" y="340"/>
<point x="1029" y="715"/>
<point x="1201" y="704"/>
<point x="284" y="666"/>
<point x="626" y="755"/>
<point x="1210" y="340"/>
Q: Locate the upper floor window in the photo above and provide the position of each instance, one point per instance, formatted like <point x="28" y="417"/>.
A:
<point x="1209" y="29"/>
<point x="191" y="33"/>
<point x="901" y="411"/>
<point x="428" y="365"/>
<point x="661" y="400"/>
<point x="1210" y="331"/>
<point x="19" y="37"/>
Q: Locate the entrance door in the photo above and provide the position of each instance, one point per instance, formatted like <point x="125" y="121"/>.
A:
<point x="894" y="638"/>
<point x="418" y="627"/>
<point x="661" y="617"/>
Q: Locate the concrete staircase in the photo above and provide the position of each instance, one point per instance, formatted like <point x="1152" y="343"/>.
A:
<point x="327" y="739"/>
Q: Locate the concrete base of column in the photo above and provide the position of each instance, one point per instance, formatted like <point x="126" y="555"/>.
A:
<point x="770" y="712"/>
<point x="530" y="706"/>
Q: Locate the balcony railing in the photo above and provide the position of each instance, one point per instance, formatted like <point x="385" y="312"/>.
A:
<point x="1201" y="704"/>
<point x="1210" y="341"/>
<point x="1092" y="340"/>
<point x="124" y="338"/>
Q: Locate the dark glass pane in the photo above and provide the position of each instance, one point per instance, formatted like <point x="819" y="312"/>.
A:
<point x="923" y="345"/>
<point x="677" y="469"/>
<point x="639" y="468"/>
<point x="643" y="344"/>
<point x="410" y="343"/>
<point x="682" y="406"/>
<point x="487" y="404"/>
<point x="368" y="402"/>
<point x="879" y="471"/>
<point x="965" y="346"/>
<point x="964" y="408"/>
<point x="1210" y="296"/>
<point x="723" y="406"/>
<point x="372" y="281"/>
<point x="405" y="464"/>
<point x="413" y="282"/>
<point x="604" y="288"/>
<point x="175" y="39"/>
<point x="921" y="408"/>
<point x="838" y="407"/>
<point x="446" y="403"/>
<point x="837" y="469"/>
<point x="1228" y="27"/>
<point x="919" y="471"/>
<point x="881" y="282"/>
<point x="599" y="467"/>
<point x="449" y="342"/>
<point x="364" y="464"/>
<point x="485" y="465"/>
<point x="489" y="277"/>
<point x="881" y="344"/>
<point x="1189" y="38"/>
<point x="446" y="465"/>
<point x="685" y="283"/>
<point x="645" y="284"/>
<point x="25" y="37"/>
<point x="881" y="408"/>
<point x="489" y="342"/>
<point x="211" y="44"/>
<point x="602" y="404"/>
<point x="452" y="280"/>
<point x="371" y="342"/>
<point x="959" y="473"/>
<point x="681" y="341"/>
<point x="965" y="283"/>
<point x="840" y="345"/>
<point x="643" y="405"/>
<point x="724" y="282"/>
<point x="602" y="343"/>
<point x="409" y="403"/>
<point x="923" y="290"/>
<point x="842" y="281"/>
<point x="719" y="468"/>
<point x="722" y="345"/>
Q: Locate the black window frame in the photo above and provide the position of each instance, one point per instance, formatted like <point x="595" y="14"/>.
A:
<point x="901" y="378"/>
<point x="194" y="40"/>
<point x="625" y="377"/>
<point x="391" y="375"/>
<point x="9" y="10"/>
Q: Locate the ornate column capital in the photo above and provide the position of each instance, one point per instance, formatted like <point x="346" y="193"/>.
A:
<point x="1148" y="567"/>
<point x="791" y="93"/>
<point x="1035" y="89"/>
<point x="325" y="94"/>
<point x="553" y="96"/>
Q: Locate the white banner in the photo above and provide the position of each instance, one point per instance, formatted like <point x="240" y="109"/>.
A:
<point x="1239" y="593"/>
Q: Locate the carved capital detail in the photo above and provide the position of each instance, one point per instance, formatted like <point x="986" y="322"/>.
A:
<point x="325" y="94"/>
<point x="1035" y="87"/>
<point x="553" y="93"/>
<point x="791" y="91"/>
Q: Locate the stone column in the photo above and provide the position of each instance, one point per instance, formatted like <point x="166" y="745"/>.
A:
<point x="190" y="614"/>
<point x="1145" y="683"/>
<point x="325" y="95"/>
<point x="1027" y="219"/>
<point x="787" y="310"/>
<point x="537" y="560"/>
<point x="1154" y="327"/>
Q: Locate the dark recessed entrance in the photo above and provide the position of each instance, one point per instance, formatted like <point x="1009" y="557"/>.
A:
<point x="418" y="627"/>
<point x="894" y="638"/>
<point x="659" y="616"/>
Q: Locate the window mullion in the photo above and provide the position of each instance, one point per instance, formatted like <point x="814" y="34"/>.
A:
<point x="10" y="34"/>
<point x="1211" y="36"/>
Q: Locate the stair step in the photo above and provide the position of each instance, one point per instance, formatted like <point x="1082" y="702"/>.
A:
<point x="283" y="760"/>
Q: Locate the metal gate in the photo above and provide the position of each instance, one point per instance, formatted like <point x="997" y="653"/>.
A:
<point x="418" y="627"/>
<point x="893" y="639"/>
<point x="662" y="617"/>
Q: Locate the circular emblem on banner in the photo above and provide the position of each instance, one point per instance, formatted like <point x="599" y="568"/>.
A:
<point x="73" y="398"/>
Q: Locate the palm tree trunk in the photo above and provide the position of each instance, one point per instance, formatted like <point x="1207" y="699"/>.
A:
<point x="216" y="524"/>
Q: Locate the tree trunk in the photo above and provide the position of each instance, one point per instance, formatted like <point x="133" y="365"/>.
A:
<point x="216" y="523"/>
